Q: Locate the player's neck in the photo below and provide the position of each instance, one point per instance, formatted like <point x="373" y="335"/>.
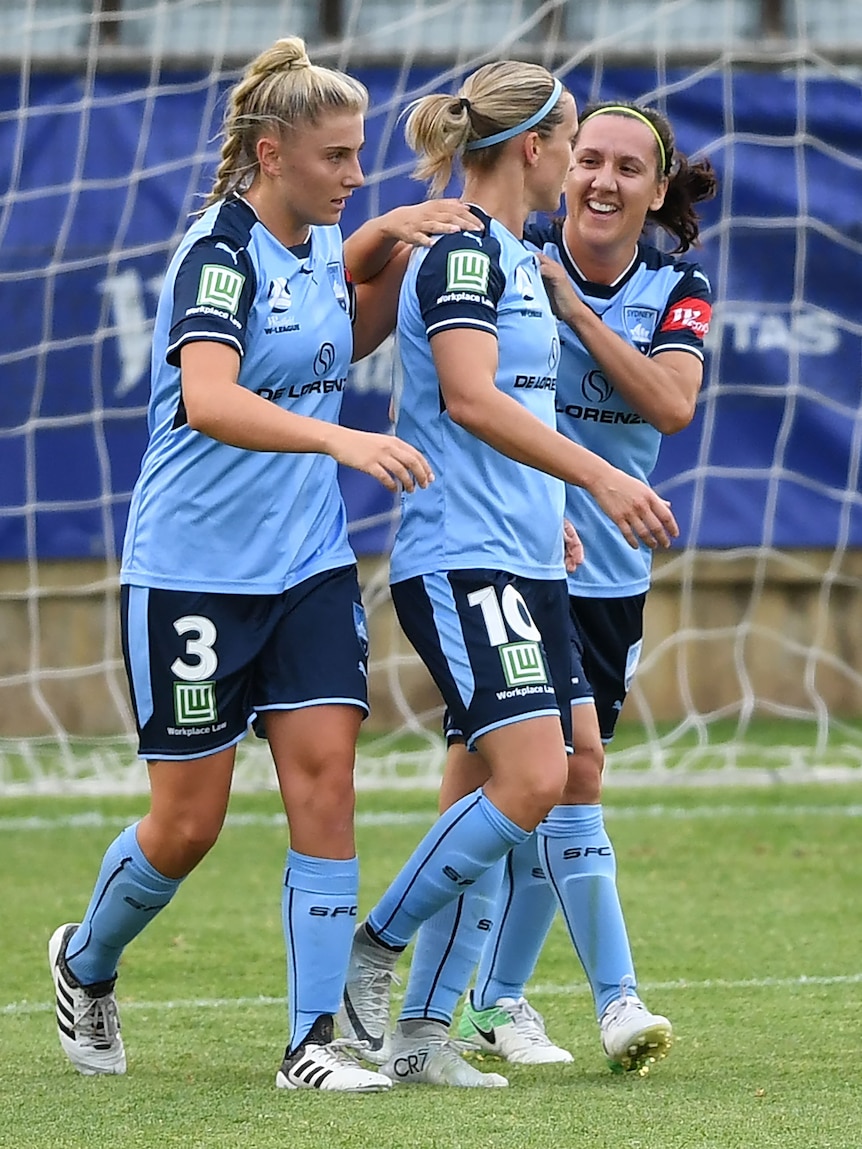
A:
<point x="603" y="264"/>
<point x="276" y="218"/>
<point x="499" y="201"/>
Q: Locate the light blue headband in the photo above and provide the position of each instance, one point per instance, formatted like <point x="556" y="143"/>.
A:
<point x="531" y="121"/>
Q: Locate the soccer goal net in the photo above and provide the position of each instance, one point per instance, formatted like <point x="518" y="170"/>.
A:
<point x="109" y="116"/>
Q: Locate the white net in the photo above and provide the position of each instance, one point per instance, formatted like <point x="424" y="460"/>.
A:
<point x="108" y="117"/>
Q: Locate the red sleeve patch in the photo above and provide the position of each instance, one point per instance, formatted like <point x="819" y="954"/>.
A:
<point x="689" y="315"/>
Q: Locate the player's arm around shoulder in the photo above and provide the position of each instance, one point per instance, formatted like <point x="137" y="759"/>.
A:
<point x="376" y="257"/>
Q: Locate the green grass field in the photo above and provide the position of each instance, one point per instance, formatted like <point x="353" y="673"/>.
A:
<point x="744" y="913"/>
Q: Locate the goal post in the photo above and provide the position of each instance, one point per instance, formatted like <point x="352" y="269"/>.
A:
<point x="108" y="140"/>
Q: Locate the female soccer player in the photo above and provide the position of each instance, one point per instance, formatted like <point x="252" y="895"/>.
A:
<point x="239" y="587"/>
<point x="477" y="568"/>
<point x="631" y="365"/>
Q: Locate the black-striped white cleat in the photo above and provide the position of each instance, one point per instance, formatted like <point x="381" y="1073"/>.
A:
<point x="88" y="1024"/>
<point x="323" y="1063"/>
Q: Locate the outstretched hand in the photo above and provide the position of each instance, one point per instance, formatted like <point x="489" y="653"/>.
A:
<point x="417" y="224"/>
<point x="386" y="458"/>
<point x="637" y="510"/>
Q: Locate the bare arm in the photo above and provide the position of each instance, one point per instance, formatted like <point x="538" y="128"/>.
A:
<point x="376" y="256"/>
<point x="377" y="305"/>
<point x="662" y="389"/>
<point x="216" y="406"/>
<point x="466" y="362"/>
<point x="371" y="246"/>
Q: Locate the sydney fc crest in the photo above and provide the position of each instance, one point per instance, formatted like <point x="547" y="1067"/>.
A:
<point x="335" y="271"/>
<point x="640" y="324"/>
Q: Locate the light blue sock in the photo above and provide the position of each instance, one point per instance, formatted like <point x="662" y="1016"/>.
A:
<point x="318" y="912"/>
<point x="448" y="946"/>
<point x="128" y="895"/>
<point x="525" y="910"/>
<point x="578" y="858"/>
<point x="456" y="851"/>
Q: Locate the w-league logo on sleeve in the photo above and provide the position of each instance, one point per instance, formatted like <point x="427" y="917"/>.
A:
<point x="468" y="271"/>
<point x="220" y="287"/>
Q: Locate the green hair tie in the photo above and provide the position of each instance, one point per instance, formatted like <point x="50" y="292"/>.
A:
<point x="622" y="110"/>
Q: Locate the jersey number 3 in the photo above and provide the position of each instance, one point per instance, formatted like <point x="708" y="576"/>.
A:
<point x="199" y="648"/>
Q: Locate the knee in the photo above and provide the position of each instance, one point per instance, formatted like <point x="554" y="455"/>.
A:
<point x="176" y="841"/>
<point x="195" y="836"/>
<point x="541" y="791"/>
<point x="327" y="771"/>
<point x="584" y="777"/>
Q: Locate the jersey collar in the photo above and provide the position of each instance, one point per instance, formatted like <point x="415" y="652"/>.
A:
<point x="599" y="290"/>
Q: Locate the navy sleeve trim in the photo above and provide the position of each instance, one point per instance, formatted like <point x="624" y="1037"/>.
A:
<point x="172" y="355"/>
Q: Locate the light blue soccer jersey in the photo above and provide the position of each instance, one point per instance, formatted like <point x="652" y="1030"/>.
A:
<point x="208" y="516"/>
<point x="657" y="304"/>
<point x="483" y="509"/>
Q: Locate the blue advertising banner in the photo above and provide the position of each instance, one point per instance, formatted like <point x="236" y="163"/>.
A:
<point x="98" y="184"/>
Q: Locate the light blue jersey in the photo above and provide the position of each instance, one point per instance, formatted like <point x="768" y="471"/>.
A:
<point x="484" y="510"/>
<point x="208" y="516"/>
<point x="657" y="304"/>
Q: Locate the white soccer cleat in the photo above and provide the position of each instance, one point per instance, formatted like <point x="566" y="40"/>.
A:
<point x="633" y="1038"/>
<point x="88" y="1023"/>
<point x="364" y="1014"/>
<point x="321" y="1063"/>
<point x="511" y="1029"/>
<point x="430" y="1057"/>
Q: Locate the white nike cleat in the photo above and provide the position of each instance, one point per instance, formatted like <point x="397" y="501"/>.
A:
<point x="428" y="1056"/>
<point x="364" y="1014"/>
<point x="513" y="1030"/>
<point x="88" y="1024"/>
<point x="633" y="1038"/>
<point x="322" y="1063"/>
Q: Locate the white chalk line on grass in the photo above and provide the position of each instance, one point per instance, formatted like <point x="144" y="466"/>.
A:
<point x="803" y="981"/>
<point x="93" y="819"/>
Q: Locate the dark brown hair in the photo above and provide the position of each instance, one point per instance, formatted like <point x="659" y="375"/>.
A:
<point x="687" y="183"/>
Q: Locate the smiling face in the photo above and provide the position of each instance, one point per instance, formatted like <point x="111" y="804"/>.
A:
<point x="614" y="181"/>
<point x="309" y="171"/>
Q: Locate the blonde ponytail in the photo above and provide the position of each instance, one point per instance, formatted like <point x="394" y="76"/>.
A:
<point x="496" y="97"/>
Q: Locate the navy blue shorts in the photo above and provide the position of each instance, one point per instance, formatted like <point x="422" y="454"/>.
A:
<point x="201" y="665"/>
<point x="607" y="638"/>
<point x="496" y="645"/>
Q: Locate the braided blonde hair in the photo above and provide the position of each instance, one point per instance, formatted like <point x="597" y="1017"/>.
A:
<point x="278" y="89"/>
